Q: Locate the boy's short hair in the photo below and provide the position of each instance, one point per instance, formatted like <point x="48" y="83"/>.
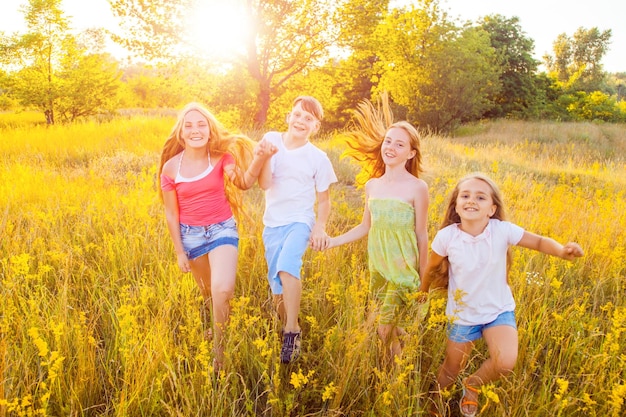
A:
<point x="311" y="105"/>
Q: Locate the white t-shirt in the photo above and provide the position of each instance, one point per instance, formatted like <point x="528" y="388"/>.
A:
<point x="297" y="175"/>
<point x="477" y="290"/>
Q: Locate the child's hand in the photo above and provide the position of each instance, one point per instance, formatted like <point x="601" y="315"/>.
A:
<point x="319" y="239"/>
<point x="327" y="243"/>
<point x="572" y="250"/>
<point x="183" y="262"/>
<point x="264" y="149"/>
<point x="320" y="244"/>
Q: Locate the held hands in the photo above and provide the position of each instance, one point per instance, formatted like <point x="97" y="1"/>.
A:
<point x="183" y="262"/>
<point x="571" y="250"/>
<point x="319" y="240"/>
<point x="326" y="243"/>
<point x="264" y="149"/>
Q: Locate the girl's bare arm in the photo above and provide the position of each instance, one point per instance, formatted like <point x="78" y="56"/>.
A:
<point x="549" y="246"/>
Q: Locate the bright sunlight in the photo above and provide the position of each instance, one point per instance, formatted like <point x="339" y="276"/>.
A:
<point x="218" y="29"/>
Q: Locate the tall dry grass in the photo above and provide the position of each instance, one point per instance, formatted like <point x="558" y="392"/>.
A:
<point x="97" y="320"/>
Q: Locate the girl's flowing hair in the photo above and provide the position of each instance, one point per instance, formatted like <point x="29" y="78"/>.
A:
<point x="220" y="142"/>
<point x="365" y="139"/>
<point x="440" y="276"/>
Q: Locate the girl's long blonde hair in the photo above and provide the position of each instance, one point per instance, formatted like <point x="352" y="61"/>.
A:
<point x="439" y="277"/>
<point x="365" y="139"/>
<point x="220" y="142"/>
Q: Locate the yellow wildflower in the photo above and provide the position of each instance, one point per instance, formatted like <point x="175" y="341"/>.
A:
<point x="329" y="391"/>
<point x="299" y="380"/>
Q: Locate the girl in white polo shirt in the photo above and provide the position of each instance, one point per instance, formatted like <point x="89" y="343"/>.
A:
<point x="470" y="256"/>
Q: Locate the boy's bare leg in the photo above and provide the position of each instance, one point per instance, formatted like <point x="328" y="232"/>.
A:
<point x="279" y="307"/>
<point x="292" y="293"/>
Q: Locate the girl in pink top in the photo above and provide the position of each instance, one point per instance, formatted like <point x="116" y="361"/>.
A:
<point x="470" y="257"/>
<point x="197" y="158"/>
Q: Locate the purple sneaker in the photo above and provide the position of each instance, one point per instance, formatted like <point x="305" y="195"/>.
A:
<point x="291" y="347"/>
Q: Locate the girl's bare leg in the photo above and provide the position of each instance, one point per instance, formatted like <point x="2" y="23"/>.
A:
<point x="453" y="363"/>
<point x="201" y="272"/>
<point x="223" y="260"/>
<point x="217" y="292"/>
<point x="502" y="343"/>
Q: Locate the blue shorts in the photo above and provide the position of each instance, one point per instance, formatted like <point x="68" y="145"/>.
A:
<point x="284" y="249"/>
<point x="460" y="334"/>
<point x="200" y="240"/>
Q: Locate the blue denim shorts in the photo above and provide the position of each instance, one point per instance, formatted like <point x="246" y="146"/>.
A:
<point x="200" y="240"/>
<point x="284" y="249"/>
<point x="460" y="334"/>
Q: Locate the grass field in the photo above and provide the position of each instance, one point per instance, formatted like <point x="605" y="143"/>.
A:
<point x="97" y="320"/>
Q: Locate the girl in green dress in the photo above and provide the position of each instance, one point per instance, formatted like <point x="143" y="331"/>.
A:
<point x="395" y="213"/>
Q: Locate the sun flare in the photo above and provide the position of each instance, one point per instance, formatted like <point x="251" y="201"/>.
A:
<point x="218" y="29"/>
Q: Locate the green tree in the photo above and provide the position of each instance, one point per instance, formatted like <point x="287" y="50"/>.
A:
<point x="442" y="74"/>
<point x="54" y="73"/>
<point x="5" y="100"/>
<point x="593" y="106"/>
<point x="356" y="75"/>
<point x="616" y="85"/>
<point x="88" y="85"/>
<point x="151" y="28"/>
<point x="44" y="42"/>
<point x="518" y="95"/>
<point x="576" y="62"/>
<point x="285" y="37"/>
<point x="230" y="94"/>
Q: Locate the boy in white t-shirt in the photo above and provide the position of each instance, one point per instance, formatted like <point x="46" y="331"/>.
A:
<point x="295" y="177"/>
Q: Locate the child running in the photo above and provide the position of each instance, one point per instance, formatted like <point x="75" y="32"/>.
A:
<point x="293" y="179"/>
<point x="470" y="255"/>
<point x="395" y="214"/>
<point x="197" y="156"/>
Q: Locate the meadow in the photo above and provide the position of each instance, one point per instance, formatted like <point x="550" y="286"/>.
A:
<point x="97" y="320"/>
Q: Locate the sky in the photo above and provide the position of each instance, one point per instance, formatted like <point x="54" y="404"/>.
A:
<point x="540" y="20"/>
<point x="544" y="20"/>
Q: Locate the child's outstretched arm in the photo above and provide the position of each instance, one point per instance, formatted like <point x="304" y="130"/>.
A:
<point x="356" y="232"/>
<point x="351" y="235"/>
<point x="549" y="246"/>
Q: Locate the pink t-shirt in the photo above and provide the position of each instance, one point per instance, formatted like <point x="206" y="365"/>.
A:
<point x="202" y="201"/>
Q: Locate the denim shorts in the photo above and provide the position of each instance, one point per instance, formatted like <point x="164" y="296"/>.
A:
<point x="460" y="334"/>
<point x="200" y="240"/>
<point x="284" y="249"/>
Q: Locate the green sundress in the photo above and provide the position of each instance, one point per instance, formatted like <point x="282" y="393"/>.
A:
<point x="393" y="255"/>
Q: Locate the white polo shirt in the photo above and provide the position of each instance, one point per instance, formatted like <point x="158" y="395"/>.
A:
<point x="478" y="290"/>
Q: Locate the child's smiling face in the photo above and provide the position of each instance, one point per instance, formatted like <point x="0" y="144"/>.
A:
<point x="195" y="129"/>
<point x="301" y="122"/>
<point x="396" y="147"/>
<point x="474" y="201"/>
